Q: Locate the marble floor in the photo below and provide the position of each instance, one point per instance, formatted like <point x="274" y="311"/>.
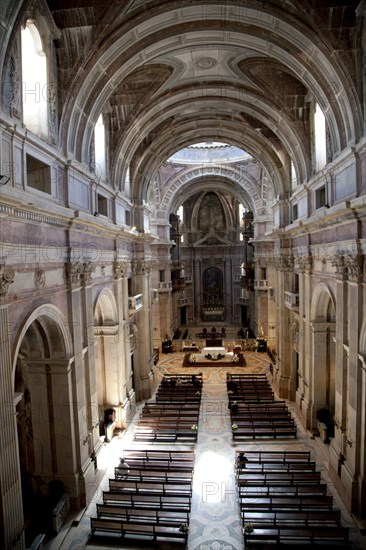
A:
<point x="215" y="522"/>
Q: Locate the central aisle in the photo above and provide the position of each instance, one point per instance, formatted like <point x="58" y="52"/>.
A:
<point x="215" y="520"/>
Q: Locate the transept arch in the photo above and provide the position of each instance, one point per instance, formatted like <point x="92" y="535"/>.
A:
<point x="225" y="178"/>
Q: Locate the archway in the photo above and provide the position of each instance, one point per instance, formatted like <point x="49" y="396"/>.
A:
<point x="45" y="418"/>
<point x="323" y="365"/>
<point x="108" y="362"/>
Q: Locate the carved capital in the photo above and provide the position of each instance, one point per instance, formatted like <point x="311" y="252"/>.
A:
<point x="120" y="269"/>
<point x="338" y="263"/>
<point x="305" y="264"/>
<point x="141" y="267"/>
<point x="7" y="274"/>
<point x="284" y="262"/>
<point x="74" y="270"/>
<point x="353" y="267"/>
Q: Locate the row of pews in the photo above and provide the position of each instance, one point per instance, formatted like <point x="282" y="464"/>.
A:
<point x="149" y="497"/>
<point x="283" y="501"/>
<point x="254" y="411"/>
<point x="151" y="500"/>
<point x="173" y="415"/>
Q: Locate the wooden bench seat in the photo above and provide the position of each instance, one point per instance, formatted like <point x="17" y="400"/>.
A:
<point x="268" y="467"/>
<point x="161" y="424"/>
<point x="277" y="457"/>
<point x="169" y="466"/>
<point x="245" y="408"/>
<point x="273" y="478"/>
<point x="264" y="423"/>
<point x="173" y="455"/>
<point x="166" y="436"/>
<point x="286" y="502"/>
<point x="294" y="535"/>
<point x="166" y="476"/>
<point x="269" y="432"/>
<point x="151" y="487"/>
<point x="263" y="415"/>
<point x="154" y="501"/>
<point x="170" y="414"/>
<point x="319" y="489"/>
<point x="301" y="517"/>
<point x="146" y="515"/>
<point x="130" y="530"/>
<point x="158" y="465"/>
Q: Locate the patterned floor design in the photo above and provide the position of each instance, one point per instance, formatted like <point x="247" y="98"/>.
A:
<point x="215" y="521"/>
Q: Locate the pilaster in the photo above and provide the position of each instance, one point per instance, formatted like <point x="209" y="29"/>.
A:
<point x="11" y="507"/>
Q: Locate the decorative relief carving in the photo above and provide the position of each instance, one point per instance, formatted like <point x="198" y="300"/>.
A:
<point x="13" y="88"/>
<point x="39" y="278"/>
<point x="7" y="274"/>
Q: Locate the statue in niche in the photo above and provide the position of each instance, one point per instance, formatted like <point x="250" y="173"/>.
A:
<point x="211" y="215"/>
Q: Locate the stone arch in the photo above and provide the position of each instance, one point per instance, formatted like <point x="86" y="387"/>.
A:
<point x="240" y="184"/>
<point x="55" y="327"/>
<point x="108" y="359"/>
<point x="105" y="309"/>
<point x="323" y="303"/>
<point x="323" y="360"/>
<point x="45" y="419"/>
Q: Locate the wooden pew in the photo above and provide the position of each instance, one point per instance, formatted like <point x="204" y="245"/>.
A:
<point x="268" y="432"/>
<point x="133" y="531"/>
<point x="164" y="435"/>
<point x="147" y="474"/>
<point x="144" y="515"/>
<point x="279" y="478"/>
<point x="245" y="490"/>
<point x="297" y="535"/>
<point x="286" y="502"/>
<point x="173" y="455"/>
<point x="151" y="487"/>
<point x="154" y="501"/>
<point x="301" y="517"/>
<point x="276" y="457"/>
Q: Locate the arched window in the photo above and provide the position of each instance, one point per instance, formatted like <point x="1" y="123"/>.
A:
<point x="320" y="139"/>
<point x="293" y="177"/>
<point x="99" y="142"/>
<point x="242" y="212"/>
<point x="34" y="81"/>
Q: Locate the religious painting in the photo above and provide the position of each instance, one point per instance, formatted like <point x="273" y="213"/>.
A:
<point x="213" y="287"/>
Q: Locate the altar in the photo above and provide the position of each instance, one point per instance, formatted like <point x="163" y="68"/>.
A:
<point x="201" y="359"/>
<point x="214" y="349"/>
